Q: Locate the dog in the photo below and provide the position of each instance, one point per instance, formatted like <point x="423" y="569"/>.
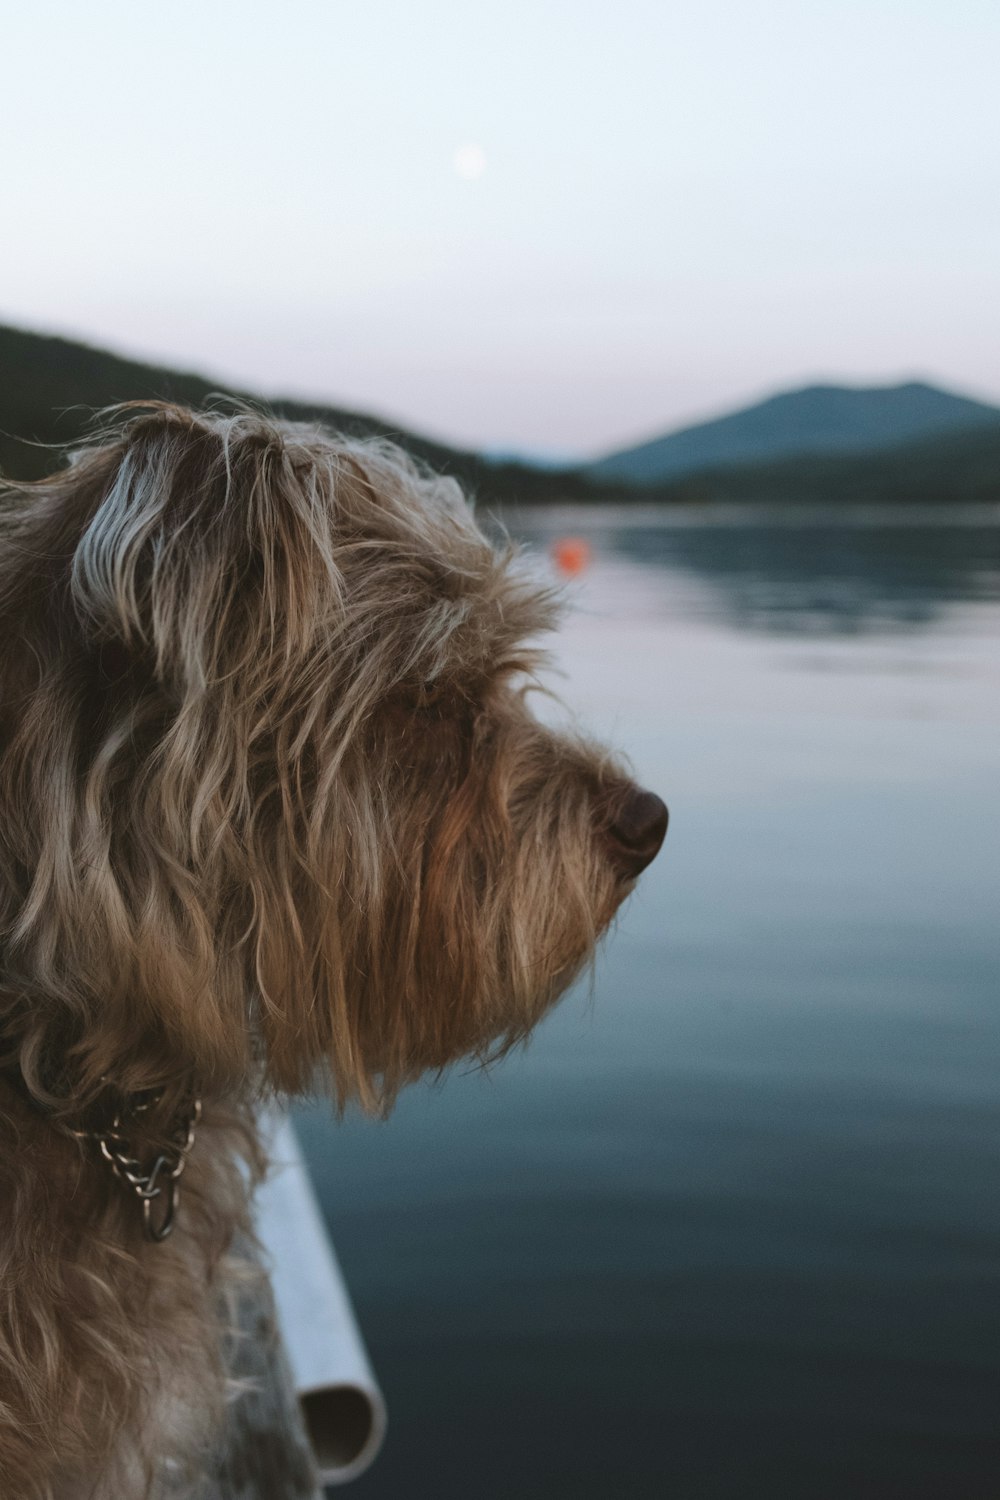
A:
<point x="275" y="814"/>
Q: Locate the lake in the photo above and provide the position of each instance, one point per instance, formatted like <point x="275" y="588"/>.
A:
<point x="730" y="1226"/>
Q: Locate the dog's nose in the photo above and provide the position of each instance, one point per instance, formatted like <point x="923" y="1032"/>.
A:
<point x="637" y="830"/>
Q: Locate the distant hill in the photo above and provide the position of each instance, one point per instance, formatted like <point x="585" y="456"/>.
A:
<point x="952" y="468"/>
<point x="820" y="419"/>
<point x="50" y="387"/>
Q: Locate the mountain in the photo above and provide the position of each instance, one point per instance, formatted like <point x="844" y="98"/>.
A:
<point x="820" y="419"/>
<point x="953" y="468"/>
<point x="50" y="387"/>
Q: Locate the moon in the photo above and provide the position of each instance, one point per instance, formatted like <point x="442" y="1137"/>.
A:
<point x="470" y="161"/>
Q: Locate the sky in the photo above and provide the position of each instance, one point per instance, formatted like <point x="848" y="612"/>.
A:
<point x="544" y="226"/>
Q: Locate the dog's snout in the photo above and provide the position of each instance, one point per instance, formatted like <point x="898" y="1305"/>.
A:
<point x="637" y="830"/>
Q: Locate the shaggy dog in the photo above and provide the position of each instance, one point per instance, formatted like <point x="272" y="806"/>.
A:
<point x="272" y="807"/>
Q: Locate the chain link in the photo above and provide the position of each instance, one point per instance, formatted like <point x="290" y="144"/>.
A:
<point x="159" y="1179"/>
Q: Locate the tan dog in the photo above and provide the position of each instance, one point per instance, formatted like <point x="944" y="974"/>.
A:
<point x="272" y="807"/>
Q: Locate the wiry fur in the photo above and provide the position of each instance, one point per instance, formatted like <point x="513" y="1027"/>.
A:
<point x="273" y="808"/>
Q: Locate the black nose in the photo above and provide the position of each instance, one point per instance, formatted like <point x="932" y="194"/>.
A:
<point x="637" y="830"/>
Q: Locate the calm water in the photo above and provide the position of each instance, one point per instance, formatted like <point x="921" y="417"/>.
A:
<point x="732" y="1227"/>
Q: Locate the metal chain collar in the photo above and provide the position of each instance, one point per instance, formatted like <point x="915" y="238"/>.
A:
<point x="158" y="1180"/>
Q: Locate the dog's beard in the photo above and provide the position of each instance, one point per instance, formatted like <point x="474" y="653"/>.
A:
<point x="466" y="888"/>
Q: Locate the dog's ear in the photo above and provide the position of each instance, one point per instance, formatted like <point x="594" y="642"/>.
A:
<point x="160" y="604"/>
<point x="206" y="549"/>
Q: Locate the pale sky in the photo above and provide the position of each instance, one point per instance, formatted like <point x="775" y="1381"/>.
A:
<point x="536" y="225"/>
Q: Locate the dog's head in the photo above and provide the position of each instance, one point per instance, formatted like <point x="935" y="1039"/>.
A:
<point x="271" y="794"/>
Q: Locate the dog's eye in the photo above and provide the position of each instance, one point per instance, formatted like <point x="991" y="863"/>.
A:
<point x="421" y="698"/>
<point x="429" y="696"/>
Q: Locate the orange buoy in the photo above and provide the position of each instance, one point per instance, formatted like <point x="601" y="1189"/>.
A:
<point x="571" y="555"/>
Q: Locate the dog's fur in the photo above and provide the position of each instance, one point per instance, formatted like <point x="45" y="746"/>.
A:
<point x="272" y="807"/>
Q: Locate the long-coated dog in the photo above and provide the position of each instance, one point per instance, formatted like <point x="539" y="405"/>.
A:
<point x="273" y="808"/>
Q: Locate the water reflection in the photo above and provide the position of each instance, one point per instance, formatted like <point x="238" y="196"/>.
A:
<point x="801" y="574"/>
<point x="732" y="1230"/>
